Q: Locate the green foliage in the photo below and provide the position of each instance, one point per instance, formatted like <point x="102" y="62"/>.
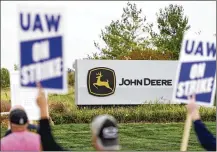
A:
<point x="5" y="106"/>
<point x="71" y="78"/>
<point x="215" y="97"/>
<point x="16" y="67"/>
<point x="63" y="110"/>
<point x="133" y="136"/>
<point x="150" y="113"/>
<point x="5" y="94"/>
<point x="5" y="78"/>
<point x="172" y="25"/>
<point x="124" y="35"/>
<point x="148" y="54"/>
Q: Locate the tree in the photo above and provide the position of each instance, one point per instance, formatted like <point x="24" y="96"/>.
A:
<point x="5" y="78"/>
<point x="70" y="70"/>
<point x="172" y="25"/>
<point x="148" y="54"/>
<point x="122" y="36"/>
<point x="198" y="33"/>
<point x="71" y="77"/>
<point x="16" y="67"/>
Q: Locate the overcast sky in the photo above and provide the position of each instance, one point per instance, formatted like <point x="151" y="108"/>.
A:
<point x="84" y="21"/>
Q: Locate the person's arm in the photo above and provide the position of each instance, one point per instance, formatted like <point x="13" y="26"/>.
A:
<point x="7" y="132"/>
<point x="47" y="140"/>
<point x="33" y="128"/>
<point x="206" y="139"/>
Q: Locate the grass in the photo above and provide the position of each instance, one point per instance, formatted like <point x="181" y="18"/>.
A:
<point x="152" y="136"/>
<point x="133" y="136"/>
<point x="63" y="110"/>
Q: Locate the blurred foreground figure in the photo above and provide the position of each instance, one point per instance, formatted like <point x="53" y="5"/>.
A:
<point x="206" y="139"/>
<point x="47" y="140"/>
<point x="20" y="139"/>
<point x="105" y="133"/>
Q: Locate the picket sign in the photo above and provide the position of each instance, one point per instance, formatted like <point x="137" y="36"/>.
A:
<point x="196" y="71"/>
<point x="41" y="48"/>
<point x="196" y="74"/>
<point x="4" y="113"/>
<point x="26" y="97"/>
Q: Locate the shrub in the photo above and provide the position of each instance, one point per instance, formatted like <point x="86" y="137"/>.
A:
<point x="57" y="107"/>
<point x="148" y="54"/>
<point x="4" y="121"/>
<point x="5" y="78"/>
<point x="62" y="110"/>
<point x="5" y="106"/>
<point x="5" y="94"/>
<point x="144" y="113"/>
<point x="71" y="78"/>
<point x="63" y="113"/>
<point x="215" y="100"/>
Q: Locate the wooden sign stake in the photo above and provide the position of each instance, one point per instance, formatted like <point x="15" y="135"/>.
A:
<point x="186" y="134"/>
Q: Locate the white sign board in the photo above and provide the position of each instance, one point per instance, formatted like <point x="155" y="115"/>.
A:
<point x="41" y="48"/>
<point x="124" y="82"/>
<point x="24" y="97"/>
<point x="196" y="72"/>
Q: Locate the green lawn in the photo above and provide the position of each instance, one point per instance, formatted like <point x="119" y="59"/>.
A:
<point x="145" y="137"/>
<point x="138" y="136"/>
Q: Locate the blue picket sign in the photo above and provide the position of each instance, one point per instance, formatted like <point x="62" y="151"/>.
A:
<point x="196" y="73"/>
<point x="41" y="49"/>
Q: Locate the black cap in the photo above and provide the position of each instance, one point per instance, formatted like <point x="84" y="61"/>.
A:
<point x="106" y="129"/>
<point x="18" y="117"/>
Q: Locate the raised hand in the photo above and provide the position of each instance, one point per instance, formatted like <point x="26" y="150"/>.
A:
<point x="193" y="108"/>
<point x="42" y="102"/>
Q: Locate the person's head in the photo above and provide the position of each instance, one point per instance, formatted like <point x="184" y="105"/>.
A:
<point x="18" y="119"/>
<point x="105" y="133"/>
